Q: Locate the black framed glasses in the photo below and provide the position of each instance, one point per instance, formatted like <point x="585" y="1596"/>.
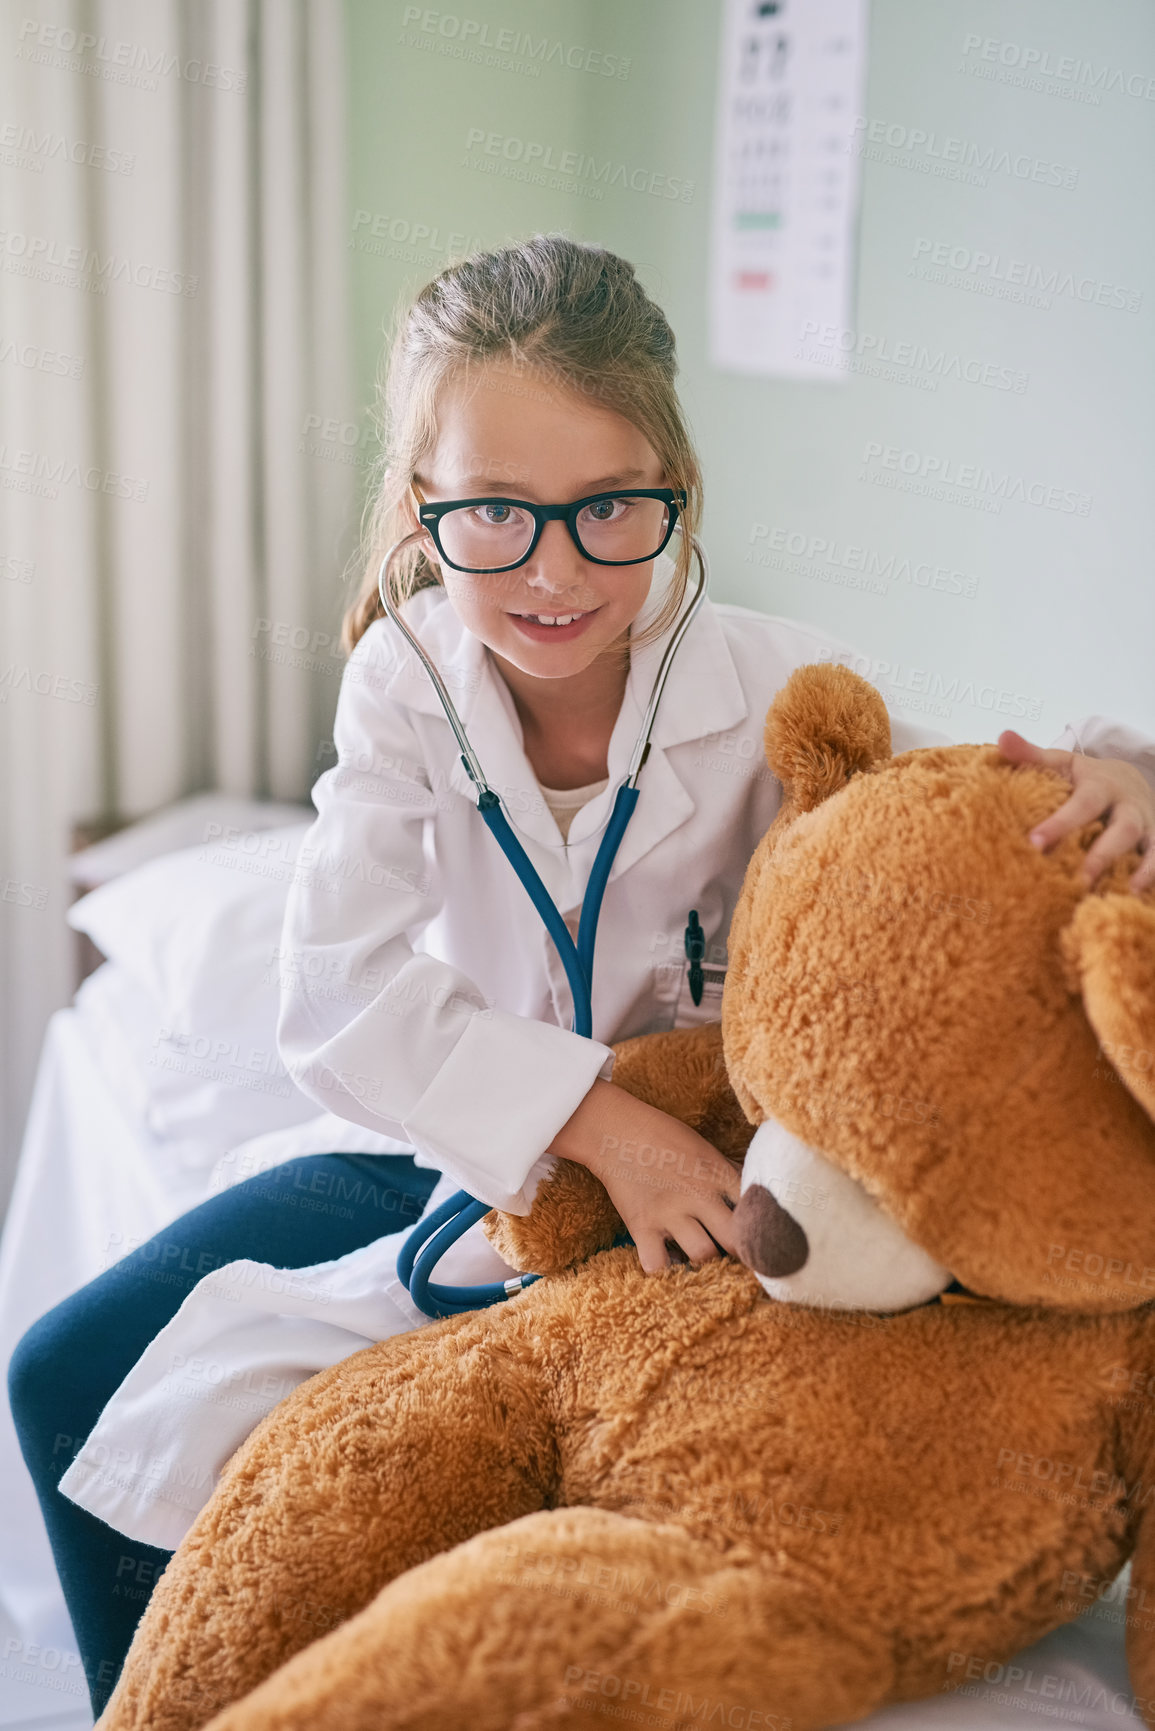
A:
<point x="499" y="534"/>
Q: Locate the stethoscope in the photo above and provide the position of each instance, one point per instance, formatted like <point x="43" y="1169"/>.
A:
<point x="432" y="1236"/>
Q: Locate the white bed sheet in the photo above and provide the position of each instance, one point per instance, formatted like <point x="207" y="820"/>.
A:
<point x="92" y="1183"/>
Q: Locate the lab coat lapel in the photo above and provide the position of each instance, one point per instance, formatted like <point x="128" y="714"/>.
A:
<point x="703" y="695"/>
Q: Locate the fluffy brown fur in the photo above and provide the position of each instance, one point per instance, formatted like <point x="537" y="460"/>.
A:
<point x="667" y="1495"/>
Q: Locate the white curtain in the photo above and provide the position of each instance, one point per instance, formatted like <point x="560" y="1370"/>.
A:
<point x="174" y="333"/>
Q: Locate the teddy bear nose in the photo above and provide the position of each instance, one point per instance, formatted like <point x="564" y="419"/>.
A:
<point x="769" y="1240"/>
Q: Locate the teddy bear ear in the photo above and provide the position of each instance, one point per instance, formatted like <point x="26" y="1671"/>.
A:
<point x="825" y="725"/>
<point x="1109" y="948"/>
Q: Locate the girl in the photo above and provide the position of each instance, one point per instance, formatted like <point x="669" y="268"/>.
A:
<point x="422" y="999"/>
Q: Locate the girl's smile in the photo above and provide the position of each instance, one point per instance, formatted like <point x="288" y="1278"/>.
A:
<point x="557" y="628"/>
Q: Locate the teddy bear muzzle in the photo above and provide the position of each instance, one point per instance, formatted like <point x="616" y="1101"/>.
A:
<point x="813" y="1235"/>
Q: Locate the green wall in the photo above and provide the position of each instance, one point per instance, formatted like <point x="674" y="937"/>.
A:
<point x="1049" y="613"/>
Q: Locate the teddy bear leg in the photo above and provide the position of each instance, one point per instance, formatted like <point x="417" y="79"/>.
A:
<point x="730" y="1644"/>
<point x="562" y="1616"/>
<point x="392" y="1456"/>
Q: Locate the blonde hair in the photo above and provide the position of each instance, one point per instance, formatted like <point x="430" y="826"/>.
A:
<point x="550" y="306"/>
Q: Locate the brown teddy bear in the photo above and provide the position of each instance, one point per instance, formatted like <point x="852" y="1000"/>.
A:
<point x="673" y="1499"/>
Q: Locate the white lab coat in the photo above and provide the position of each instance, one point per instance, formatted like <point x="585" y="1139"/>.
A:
<point x="424" y="1001"/>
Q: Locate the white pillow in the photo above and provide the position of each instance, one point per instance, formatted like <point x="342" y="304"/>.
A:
<point x="195" y="926"/>
<point x="196" y="819"/>
<point x="198" y="932"/>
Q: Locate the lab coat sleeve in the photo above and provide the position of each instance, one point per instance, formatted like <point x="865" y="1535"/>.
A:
<point x="384" y="1035"/>
<point x="1099" y="736"/>
<point x="1094" y="735"/>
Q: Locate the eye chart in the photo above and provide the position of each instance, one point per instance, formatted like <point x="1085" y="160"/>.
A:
<point x="786" y="182"/>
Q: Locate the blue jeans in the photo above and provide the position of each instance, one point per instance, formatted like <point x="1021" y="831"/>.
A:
<point x="70" y="1362"/>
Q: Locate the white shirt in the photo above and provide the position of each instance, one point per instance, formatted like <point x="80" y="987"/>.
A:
<point x="565" y="802"/>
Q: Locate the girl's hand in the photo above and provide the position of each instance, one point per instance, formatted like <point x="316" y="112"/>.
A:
<point x="1103" y="787"/>
<point x="667" y="1182"/>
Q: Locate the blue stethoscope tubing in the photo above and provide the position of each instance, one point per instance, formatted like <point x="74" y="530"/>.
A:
<point x="436" y="1232"/>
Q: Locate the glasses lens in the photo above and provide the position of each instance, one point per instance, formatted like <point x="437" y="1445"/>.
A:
<point x="486" y="537"/>
<point x="622" y="528"/>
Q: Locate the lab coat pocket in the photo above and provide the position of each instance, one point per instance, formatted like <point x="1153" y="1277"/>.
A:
<point x="688" y="1014"/>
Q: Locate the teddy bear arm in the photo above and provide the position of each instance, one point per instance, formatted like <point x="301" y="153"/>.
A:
<point x="571" y="1219"/>
<point x="681" y="1072"/>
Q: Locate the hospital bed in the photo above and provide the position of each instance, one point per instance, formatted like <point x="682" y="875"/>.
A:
<point x="160" y="1085"/>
